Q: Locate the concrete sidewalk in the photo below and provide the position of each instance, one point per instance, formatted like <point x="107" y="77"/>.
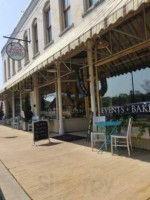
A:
<point x="10" y="188"/>
<point x="71" y="171"/>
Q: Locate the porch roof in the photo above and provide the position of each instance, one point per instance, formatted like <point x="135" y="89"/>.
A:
<point x="109" y="13"/>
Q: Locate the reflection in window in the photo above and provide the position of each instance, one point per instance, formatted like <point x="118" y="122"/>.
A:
<point x="48" y="101"/>
<point x="128" y="89"/>
<point x="73" y="102"/>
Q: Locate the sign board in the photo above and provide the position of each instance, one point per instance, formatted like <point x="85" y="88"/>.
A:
<point x="129" y="109"/>
<point x="15" y="51"/>
<point x="40" y="130"/>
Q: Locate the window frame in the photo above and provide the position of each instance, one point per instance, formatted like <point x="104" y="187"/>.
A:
<point x="47" y="27"/>
<point x="13" y="67"/>
<point x="8" y="66"/>
<point x="26" y="58"/>
<point x="63" y="13"/>
<point x="5" y="71"/>
<point x="35" y="37"/>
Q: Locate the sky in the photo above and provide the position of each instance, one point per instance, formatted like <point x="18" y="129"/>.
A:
<point x="10" y="13"/>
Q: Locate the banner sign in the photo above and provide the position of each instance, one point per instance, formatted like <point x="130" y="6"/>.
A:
<point x="15" y="51"/>
<point x="80" y="83"/>
<point x="136" y="108"/>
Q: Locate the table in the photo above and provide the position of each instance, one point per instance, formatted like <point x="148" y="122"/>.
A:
<point x="113" y="124"/>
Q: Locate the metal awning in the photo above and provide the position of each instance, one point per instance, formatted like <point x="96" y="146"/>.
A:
<point x="109" y="12"/>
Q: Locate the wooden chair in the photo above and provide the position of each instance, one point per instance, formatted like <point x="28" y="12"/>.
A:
<point x="98" y="135"/>
<point x="122" y="140"/>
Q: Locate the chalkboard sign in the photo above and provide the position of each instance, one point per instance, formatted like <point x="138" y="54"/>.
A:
<point x="40" y="130"/>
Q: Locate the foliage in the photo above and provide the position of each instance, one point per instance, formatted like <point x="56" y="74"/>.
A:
<point x="27" y="110"/>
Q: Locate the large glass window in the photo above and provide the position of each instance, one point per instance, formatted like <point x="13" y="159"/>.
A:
<point x="73" y="102"/>
<point x="126" y="94"/>
<point x="48" y="101"/>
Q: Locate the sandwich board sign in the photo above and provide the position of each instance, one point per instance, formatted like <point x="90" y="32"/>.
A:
<point x="15" y="51"/>
<point x="40" y="131"/>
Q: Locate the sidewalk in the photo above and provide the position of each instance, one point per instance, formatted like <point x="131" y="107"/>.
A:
<point x="68" y="171"/>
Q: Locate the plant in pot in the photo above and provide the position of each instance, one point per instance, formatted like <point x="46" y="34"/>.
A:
<point x="27" y="113"/>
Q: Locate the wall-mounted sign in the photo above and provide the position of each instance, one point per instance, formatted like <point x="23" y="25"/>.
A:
<point x="15" y="51"/>
<point x="135" y="108"/>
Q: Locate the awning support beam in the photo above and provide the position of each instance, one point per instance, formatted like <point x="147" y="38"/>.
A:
<point x="123" y="53"/>
<point x="128" y="34"/>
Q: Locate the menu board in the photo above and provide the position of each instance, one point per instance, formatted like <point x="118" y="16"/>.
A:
<point x="40" y="130"/>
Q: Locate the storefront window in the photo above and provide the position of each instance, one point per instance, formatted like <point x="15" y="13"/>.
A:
<point x="127" y="94"/>
<point x="17" y="106"/>
<point x="48" y="101"/>
<point x="73" y="102"/>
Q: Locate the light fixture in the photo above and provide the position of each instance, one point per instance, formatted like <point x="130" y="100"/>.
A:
<point x="52" y="70"/>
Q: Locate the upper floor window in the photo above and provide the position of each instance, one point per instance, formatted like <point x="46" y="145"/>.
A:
<point x="8" y="64"/>
<point x="66" y="14"/>
<point x="19" y="65"/>
<point x="5" y="71"/>
<point x="13" y="68"/>
<point x="35" y="37"/>
<point x="25" y="37"/>
<point x="47" y="23"/>
<point x="90" y="3"/>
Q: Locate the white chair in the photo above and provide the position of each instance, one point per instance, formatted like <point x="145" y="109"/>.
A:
<point x="123" y="140"/>
<point x="15" y="122"/>
<point x="98" y="135"/>
<point x="34" y="119"/>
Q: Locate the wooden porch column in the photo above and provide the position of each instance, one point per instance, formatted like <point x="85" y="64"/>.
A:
<point x="36" y="95"/>
<point x="13" y="105"/>
<point x="20" y="102"/>
<point x="91" y="74"/>
<point x="85" y="72"/>
<point x="61" y="125"/>
<point x="97" y="86"/>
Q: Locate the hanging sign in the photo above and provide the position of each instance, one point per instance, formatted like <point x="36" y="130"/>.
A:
<point x="80" y="83"/>
<point x="15" y="51"/>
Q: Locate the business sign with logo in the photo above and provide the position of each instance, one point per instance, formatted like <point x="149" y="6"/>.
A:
<point x="15" y="51"/>
<point x="135" y="108"/>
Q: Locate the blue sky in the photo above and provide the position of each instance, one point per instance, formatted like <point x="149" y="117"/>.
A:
<point x="10" y="13"/>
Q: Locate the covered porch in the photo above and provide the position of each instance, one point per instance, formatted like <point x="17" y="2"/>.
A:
<point x="103" y="70"/>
